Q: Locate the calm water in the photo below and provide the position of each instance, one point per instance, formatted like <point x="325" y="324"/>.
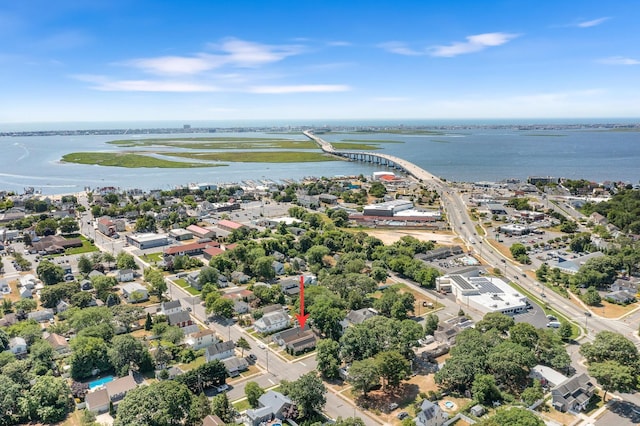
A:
<point x="467" y="155"/>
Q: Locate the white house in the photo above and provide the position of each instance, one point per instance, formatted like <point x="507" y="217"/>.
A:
<point x="125" y="275"/>
<point x="271" y="322"/>
<point x="130" y="288"/>
<point x="221" y="350"/>
<point x="170" y="307"/>
<point x="28" y="281"/>
<point x="201" y="339"/>
<point x="18" y="346"/>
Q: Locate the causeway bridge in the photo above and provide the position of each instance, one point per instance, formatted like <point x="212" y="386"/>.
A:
<point x="378" y="158"/>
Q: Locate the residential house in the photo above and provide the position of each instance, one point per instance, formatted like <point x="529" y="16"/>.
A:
<point x="98" y="401"/>
<point x="201" y="339"/>
<point x="62" y="306"/>
<point x="235" y="365"/>
<point x="358" y="317"/>
<point x="211" y="252"/>
<point x="18" y="346"/>
<point x="118" y="388"/>
<point x="278" y="267"/>
<point x="42" y="315"/>
<point x="272" y="405"/>
<point x="85" y="285"/>
<point x="170" y="307"/>
<point x="296" y="340"/>
<point x="239" y="277"/>
<point x="271" y="322"/>
<point x="190" y="329"/>
<point x="240" y="307"/>
<point x="573" y="394"/>
<point x="125" y="275"/>
<point x="8" y="319"/>
<point x="212" y="420"/>
<point x="621" y="297"/>
<point x="309" y="201"/>
<point x="95" y="273"/>
<point x="4" y="287"/>
<point x="430" y="414"/>
<point x="477" y="410"/>
<point x="106" y="226"/>
<point x="548" y="376"/>
<point x="28" y="281"/>
<point x="180" y="319"/>
<point x="630" y="286"/>
<point x="140" y="290"/>
<point x="290" y="286"/>
<point x="328" y="199"/>
<point x="220" y="350"/>
<point x="25" y="293"/>
<point x="193" y="280"/>
<point x="598" y="219"/>
<point x="58" y="343"/>
<point x="446" y="333"/>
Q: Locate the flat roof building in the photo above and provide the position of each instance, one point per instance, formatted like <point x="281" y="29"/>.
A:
<point x="388" y="208"/>
<point x="145" y="241"/>
<point x="485" y="294"/>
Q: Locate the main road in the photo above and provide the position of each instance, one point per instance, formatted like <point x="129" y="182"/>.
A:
<point x="461" y="224"/>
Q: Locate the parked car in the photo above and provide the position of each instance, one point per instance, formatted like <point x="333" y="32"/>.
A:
<point x="402" y="415"/>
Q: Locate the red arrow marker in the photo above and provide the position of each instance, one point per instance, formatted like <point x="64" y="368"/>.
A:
<point x="302" y="317"/>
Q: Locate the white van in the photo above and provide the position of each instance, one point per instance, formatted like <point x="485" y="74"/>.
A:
<point x="554" y="324"/>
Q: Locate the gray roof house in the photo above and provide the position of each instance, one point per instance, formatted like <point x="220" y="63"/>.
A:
<point x="358" y="317"/>
<point x="170" y="307"/>
<point x="430" y="414"/>
<point x="273" y="405"/>
<point x="573" y="394"/>
<point x="220" y="350"/>
<point x="43" y="315"/>
<point x="180" y="319"/>
<point x="18" y="346"/>
<point x="98" y="401"/>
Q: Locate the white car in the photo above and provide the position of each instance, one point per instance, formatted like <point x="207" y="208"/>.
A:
<point x="261" y="346"/>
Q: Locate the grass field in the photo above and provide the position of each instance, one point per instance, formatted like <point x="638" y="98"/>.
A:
<point x="87" y="247"/>
<point x="220" y="143"/>
<point x="128" y="160"/>
<point x="185" y="285"/>
<point x="255" y="156"/>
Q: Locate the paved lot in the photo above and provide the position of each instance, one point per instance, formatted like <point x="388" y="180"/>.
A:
<point x="620" y="414"/>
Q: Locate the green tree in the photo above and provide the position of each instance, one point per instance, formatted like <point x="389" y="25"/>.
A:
<point x="49" y="272"/>
<point x="512" y="416"/>
<point x="47" y="227"/>
<point x="89" y="354"/>
<point x="393" y="368"/>
<point x="221" y="407"/>
<point x="162" y="403"/>
<point x="364" y="376"/>
<point x="431" y="324"/>
<point x="327" y="356"/>
<point x="10" y="393"/>
<point x="157" y="283"/>
<point x="4" y="340"/>
<point x="48" y="400"/>
<point x="497" y="320"/>
<point x="253" y="391"/>
<point x="532" y="394"/>
<point x="524" y="334"/>
<point x="221" y="307"/>
<point x="326" y="317"/>
<point x="591" y="297"/>
<point x="517" y="249"/>
<point x="200" y="408"/>
<point x="613" y="376"/>
<point x="81" y="299"/>
<point x="126" y="261"/>
<point x="84" y="264"/>
<point x="485" y="390"/>
<point x="308" y="392"/>
<point x="148" y="323"/>
<point x="126" y="353"/>
<point x="262" y="268"/>
<point x="208" y="275"/>
<point x="565" y="330"/>
<point x="510" y="363"/>
<point x="243" y="344"/>
<point x="25" y="305"/>
<point x="68" y="225"/>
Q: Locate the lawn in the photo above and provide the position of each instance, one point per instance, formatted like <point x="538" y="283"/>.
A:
<point x="128" y="160"/>
<point x="87" y="247"/>
<point x="185" y="285"/>
<point x="193" y="364"/>
<point x="241" y="405"/>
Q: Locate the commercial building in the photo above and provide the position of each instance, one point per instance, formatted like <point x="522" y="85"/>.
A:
<point x="181" y="234"/>
<point x="200" y="232"/>
<point x="484" y="294"/>
<point x="149" y="240"/>
<point x="388" y="208"/>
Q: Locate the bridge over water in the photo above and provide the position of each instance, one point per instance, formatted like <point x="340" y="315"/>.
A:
<point x="377" y="158"/>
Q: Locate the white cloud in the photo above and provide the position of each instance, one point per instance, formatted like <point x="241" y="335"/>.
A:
<point x="592" y="23"/>
<point x="619" y="60"/>
<point x="175" y="65"/>
<point x="474" y="43"/>
<point x="242" y="53"/>
<point x="230" y="52"/>
<point x="303" y="88"/>
<point x="339" y="43"/>
<point x="399" y="48"/>
<point x="103" y="84"/>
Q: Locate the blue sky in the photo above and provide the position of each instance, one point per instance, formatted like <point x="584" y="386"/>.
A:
<point x="114" y="60"/>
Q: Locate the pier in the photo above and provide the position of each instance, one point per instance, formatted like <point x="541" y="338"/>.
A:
<point x="390" y="161"/>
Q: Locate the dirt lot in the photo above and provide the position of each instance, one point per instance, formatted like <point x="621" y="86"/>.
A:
<point x="389" y="236"/>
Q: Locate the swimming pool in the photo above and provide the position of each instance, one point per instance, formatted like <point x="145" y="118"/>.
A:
<point x="449" y="404"/>
<point x="100" y="382"/>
